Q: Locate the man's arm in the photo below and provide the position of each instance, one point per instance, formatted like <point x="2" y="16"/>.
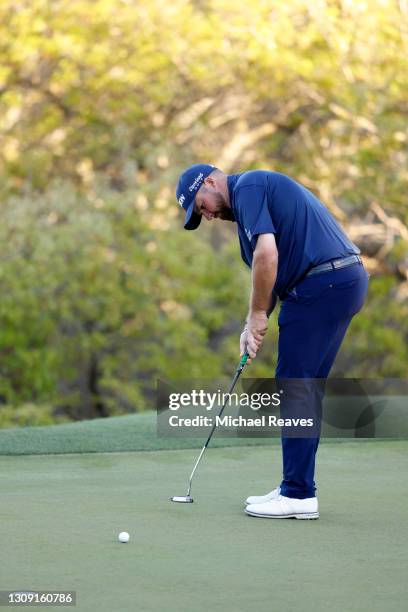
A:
<point x="264" y="271"/>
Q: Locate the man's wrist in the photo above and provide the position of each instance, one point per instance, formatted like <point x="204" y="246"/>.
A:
<point x="256" y="311"/>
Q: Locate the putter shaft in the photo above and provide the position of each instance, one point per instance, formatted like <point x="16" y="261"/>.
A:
<point x="238" y="372"/>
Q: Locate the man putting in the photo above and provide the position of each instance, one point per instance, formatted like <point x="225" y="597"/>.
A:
<point x="298" y="253"/>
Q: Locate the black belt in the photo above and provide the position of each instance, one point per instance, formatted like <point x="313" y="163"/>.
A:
<point x="335" y="264"/>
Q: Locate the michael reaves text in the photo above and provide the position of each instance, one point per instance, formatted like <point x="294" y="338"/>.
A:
<point x="238" y="421"/>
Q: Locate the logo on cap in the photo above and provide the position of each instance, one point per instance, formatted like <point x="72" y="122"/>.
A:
<point x="197" y="181"/>
<point x="181" y="199"/>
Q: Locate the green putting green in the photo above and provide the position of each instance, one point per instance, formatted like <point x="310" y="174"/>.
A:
<point x="61" y="514"/>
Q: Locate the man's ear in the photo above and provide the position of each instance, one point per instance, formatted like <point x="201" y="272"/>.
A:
<point x="209" y="181"/>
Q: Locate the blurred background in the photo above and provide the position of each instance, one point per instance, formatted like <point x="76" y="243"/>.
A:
<point x="103" y="104"/>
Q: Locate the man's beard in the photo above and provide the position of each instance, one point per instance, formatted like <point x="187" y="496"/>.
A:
<point x="223" y="210"/>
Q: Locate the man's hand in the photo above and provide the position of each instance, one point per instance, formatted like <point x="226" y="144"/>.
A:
<point x="254" y="332"/>
<point x="243" y="342"/>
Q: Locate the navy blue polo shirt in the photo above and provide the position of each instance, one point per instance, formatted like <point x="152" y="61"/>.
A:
<point x="306" y="233"/>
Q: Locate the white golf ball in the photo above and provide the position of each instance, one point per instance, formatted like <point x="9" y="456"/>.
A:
<point x="123" y="537"/>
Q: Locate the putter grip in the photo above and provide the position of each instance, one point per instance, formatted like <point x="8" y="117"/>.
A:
<point x="244" y="359"/>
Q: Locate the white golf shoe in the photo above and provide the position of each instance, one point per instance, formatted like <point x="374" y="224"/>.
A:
<point x="286" y="507"/>
<point x="261" y="499"/>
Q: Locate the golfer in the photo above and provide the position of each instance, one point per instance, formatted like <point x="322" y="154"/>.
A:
<point x="298" y="253"/>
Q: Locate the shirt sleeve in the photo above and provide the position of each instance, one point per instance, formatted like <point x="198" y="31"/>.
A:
<point x="244" y="256"/>
<point x="253" y="213"/>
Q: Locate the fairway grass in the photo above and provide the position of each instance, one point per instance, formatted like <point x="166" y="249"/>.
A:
<point x="61" y="514"/>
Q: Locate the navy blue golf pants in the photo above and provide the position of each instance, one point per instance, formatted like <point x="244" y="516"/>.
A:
<point x="313" y="320"/>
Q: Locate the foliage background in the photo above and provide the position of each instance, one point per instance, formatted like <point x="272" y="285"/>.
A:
<point x="102" y="104"/>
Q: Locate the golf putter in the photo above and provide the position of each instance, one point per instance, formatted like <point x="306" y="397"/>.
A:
<point x="187" y="499"/>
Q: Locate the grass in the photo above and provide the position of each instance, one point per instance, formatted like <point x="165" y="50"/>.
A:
<point x="67" y="492"/>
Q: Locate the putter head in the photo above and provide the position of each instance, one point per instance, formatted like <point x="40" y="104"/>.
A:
<point x="186" y="499"/>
